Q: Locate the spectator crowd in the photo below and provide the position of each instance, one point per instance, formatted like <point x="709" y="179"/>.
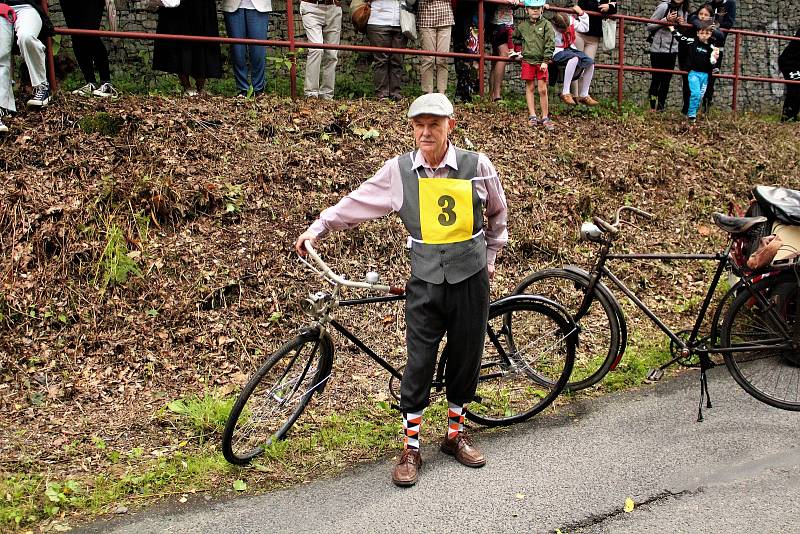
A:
<point x="551" y="46"/>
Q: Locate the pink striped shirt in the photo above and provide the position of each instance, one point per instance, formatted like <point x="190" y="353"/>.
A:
<point x="383" y="193"/>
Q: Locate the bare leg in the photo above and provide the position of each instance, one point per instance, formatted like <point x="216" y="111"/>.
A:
<point x="185" y="83"/>
<point x="543" y="97"/>
<point x="498" y="73"/>
<point x="529" y="98"/>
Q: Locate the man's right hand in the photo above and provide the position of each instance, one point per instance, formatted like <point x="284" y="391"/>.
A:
<point x="300" y="244"/>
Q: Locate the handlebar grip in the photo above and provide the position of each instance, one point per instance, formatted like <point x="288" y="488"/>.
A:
<point x="606" y="227"/>
<point x="397" y="290"/>
<point x="643" y="213"/>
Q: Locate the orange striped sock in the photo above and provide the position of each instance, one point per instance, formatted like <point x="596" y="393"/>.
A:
<point x="455" y="419"/>
<point x="411" y="424"/>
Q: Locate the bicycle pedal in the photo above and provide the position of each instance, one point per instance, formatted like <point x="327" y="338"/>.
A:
<point x="655" y="375"/>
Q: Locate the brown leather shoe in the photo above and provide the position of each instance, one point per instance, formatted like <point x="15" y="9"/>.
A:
<point x="567" y="99"/>
<point x="587" y="101"/>
<point x="407" y="468"/>
<point x="462" y="448"/>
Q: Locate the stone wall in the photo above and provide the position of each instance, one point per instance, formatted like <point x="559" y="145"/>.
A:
<point x="759" y="55"/>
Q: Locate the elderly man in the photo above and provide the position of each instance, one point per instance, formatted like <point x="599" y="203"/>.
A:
<point x="441" y="194"/>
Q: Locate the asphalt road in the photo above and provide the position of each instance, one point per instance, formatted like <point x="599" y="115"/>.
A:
<point x="738" y="471"/>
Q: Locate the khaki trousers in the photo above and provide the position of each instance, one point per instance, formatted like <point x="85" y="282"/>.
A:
<point x="27" y="29"/>
<point x="323" y="24"/>
<point x="437" y="40"/>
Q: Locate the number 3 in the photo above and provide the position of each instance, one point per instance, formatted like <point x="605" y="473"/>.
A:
<point x="448" y="216"/>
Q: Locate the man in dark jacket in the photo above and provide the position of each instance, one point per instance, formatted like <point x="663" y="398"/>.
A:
<point x="789" y="63"/>
<point x="26" y="19"/>
<point x="724" y="17"/>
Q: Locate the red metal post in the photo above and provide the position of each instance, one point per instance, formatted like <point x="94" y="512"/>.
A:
<point x="482" y="60"/>
<point x="621" y="69"/>
<point x="736" y="68"/>
<point x="293" y="69"/>
<point x="51" y="64"/>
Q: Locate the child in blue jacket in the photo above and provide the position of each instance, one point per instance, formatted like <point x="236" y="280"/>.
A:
<point x="701" y="56"/>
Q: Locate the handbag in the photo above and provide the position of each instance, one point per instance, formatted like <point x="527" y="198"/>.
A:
<point x="154" y="5"/>
<point x="408" y="20"/>
<point x="609" y="34"/>
<point x="360" y="11"/>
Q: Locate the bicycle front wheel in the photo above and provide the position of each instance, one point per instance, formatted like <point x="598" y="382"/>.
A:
<point x="528" y="356"/>
<point x="769" y="370"/>
<point x="601" y="327"/>
<point x="276" y="395"/>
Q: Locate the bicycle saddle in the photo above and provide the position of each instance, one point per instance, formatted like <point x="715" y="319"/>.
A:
<point x="780" y="203"/>
<point x="736" y="225"/>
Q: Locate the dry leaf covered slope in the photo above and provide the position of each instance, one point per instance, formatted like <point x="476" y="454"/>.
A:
<point x="146" y="243"/>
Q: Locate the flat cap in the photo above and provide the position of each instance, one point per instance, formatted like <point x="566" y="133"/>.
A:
<point x="431" y="104"/>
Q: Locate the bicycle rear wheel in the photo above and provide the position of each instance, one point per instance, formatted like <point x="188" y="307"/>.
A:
<point x="528" y="356"/>
<point x="768" y="372"/>
<point x="276" y="395"/>
<point x="602" y="333"/>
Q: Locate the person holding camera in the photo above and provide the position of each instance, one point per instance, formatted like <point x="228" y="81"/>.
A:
<point x="789" y="65"/>
<point x="664" y="48"/>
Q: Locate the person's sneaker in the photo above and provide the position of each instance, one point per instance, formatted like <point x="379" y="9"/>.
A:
<point x="106" y="90"/>
<point x="190" y="92"/>
<point x="533" y="121"/>
<point x="515" y="55"/>
<point x="587" y="100"/>
<point x="86" y="90"/>
<point x="548" y="124"/>
<point x="406" y="471"/>
<point x="567" y="99"/>
<point x="3" y="127"/>
<point x="463" y="450"/>
<point x="41" y="95"/>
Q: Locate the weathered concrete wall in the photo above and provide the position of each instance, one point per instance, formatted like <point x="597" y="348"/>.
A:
<point x="759" y="56"/>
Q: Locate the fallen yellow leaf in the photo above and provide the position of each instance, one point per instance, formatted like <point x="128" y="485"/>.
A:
<point x="629" y="505"/>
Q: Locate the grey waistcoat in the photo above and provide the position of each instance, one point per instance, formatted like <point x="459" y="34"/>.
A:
<point x="450" y="262"/>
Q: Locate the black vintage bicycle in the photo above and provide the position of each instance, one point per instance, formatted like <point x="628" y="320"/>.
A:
<point x="528" y="356"/>
<point x="755" y="325"/>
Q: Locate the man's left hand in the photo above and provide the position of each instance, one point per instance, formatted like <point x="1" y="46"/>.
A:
<point x="490" y="268"/>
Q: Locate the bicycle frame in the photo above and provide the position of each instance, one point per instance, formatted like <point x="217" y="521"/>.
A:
<point x="360" y="344"/>
<point x="692" y="345"/>
<point x="330" y="302"/>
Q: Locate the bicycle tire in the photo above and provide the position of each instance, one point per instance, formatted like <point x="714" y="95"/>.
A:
<point x="528" y="357"/>
<point x="602" y="336"/>
<point x="285" y="382"/>
<point x="769" y="375"/>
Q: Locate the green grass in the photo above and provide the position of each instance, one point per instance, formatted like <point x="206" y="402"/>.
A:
<point x="641" y="356"/>
<point x="206" y="414"/>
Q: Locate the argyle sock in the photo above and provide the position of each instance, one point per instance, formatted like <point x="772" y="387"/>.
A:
<point x="411" y="423"/>
<point x="455" y="420"/>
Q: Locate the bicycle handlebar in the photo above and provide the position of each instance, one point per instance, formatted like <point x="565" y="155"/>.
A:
<point x="613" y="229"/>
<point x="338" y="279"/>
<point x="605" y="226"/>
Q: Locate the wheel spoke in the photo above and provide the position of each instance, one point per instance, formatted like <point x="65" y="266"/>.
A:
<point x="278" y="393"/>
<point x="766" y="365"/>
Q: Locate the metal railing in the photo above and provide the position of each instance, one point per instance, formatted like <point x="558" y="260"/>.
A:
<point x="292" y="43"/>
